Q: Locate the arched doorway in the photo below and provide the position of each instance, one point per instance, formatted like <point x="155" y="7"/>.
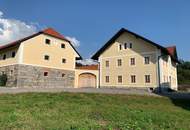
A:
<point x="87" y="80"/>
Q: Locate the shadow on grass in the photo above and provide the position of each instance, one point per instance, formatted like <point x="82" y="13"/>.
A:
<point x="180" y="99"/>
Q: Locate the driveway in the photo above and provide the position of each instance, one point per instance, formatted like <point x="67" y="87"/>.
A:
<point x="4" y="90"/>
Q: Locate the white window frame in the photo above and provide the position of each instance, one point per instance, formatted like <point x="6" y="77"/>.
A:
<point x="106" y="63"/>
<point x="130" y="61"/>
<point x="145" y="78"/>
<point x="118" y="62"/>
<point x="145" y="61"/>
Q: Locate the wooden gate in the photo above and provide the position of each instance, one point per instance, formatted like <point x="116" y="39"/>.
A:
<point x="87" y="80"/>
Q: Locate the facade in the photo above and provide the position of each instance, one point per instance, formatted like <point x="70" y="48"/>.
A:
<point x="127" y="60"/>
<point x="130" y="60"/>
<point x="44" y="59"/>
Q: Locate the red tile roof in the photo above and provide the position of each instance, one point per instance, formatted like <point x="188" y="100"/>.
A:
<point x="171" y="50"/>
<point x="87" y="67"/>
<point x="173" y="53"/>
<point x="52" y="32"/>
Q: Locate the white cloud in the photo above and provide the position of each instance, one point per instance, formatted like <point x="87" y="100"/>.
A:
<point x="87" y="62"/>
<point x="12" y="29"/>
<point x="1" y="14"/>
<point x="74" y="41"/>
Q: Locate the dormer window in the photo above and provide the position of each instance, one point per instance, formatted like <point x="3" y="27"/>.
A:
<point x="47" y="41"/>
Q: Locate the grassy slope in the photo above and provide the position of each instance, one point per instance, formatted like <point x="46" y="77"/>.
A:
<point x="95" y="111"/>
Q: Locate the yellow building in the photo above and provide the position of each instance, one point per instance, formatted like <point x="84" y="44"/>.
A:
<point x="44" y="59"/>
<point x="130" y="60"/>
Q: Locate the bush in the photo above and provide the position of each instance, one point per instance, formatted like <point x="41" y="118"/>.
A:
<point x="3" y="79"/>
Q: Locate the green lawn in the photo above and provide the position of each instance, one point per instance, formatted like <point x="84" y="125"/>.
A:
<point x="45" y="111"/>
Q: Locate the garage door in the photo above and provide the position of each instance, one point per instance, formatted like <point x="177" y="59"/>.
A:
<point x="87" y="80"/>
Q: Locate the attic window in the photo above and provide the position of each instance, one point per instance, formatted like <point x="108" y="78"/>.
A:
<point x="63" y="60"/>
<point x="46" y="57"/>
<point x="125" y="45"/>
<point x="62" y="45"/>
<point x="48" y="41"/>
<point x="130" y="45"/>
<point x="120" y="46"/>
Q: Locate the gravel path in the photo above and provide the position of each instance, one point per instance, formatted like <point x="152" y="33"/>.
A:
<point x="178" y="95"/>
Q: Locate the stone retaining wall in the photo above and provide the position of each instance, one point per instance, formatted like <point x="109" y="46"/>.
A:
<point x="33" y="76"/>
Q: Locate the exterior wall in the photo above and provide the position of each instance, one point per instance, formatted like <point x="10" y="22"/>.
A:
<point x="139" y="51"/>
<point x="9" y="59"/>
<point x="81" y="71"/>
<point x="27" y="68"/>
<point x="12" y="73"/>
<point x="33" y="76"/>
<point x="169" y="73"/>
<point x="35" y="48"/>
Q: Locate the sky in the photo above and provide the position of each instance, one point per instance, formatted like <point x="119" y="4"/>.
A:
<point x="91" y="23"/>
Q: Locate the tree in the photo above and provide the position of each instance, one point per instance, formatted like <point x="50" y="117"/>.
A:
<point x="183" y="71"/>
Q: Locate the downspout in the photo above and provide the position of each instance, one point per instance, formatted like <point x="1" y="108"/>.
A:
<point x="159" y="87"/>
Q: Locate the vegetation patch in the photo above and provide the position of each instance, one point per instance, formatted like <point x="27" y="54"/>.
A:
<point x="3" y="79"/>
<point x="72" y="111"/>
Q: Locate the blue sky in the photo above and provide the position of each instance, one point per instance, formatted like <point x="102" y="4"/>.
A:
<point x="166" y="22"/>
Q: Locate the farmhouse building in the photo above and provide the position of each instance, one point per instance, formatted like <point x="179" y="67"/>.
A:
<point x="44" y="59"/>
<point x="127" y="60"/>
<point x="130" y="60"/>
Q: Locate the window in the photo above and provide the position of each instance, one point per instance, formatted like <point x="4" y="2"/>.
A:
<point x="63" y="60"/>
<point x="125" y="45"/>
<point x="147" y="78"/>
<point x="47" y="41"/>
<point x="133" y="79"/>
<point x="132" y="61"/>
<point x="62" y="75"/>
<point x="13" y="54"/>
<point x="45" y="74"/>
<point x="119" y="62"/>
<point x="119" y="79"/>
<point x="120" y="46"/>
<point x="107" y="79"/>
<point x="4" y="57"/>
<point x="11" y="72"/>
<point x="147" y="60"/>
<point x="130" y="45"/>
<point x="107" y="63"/>
<point x="46" y="57"/>
<point x="62" y="45"/>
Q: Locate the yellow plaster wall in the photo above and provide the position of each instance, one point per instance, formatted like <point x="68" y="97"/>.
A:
<point x="139" y="50"/>
<point x="36" y="48"/>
